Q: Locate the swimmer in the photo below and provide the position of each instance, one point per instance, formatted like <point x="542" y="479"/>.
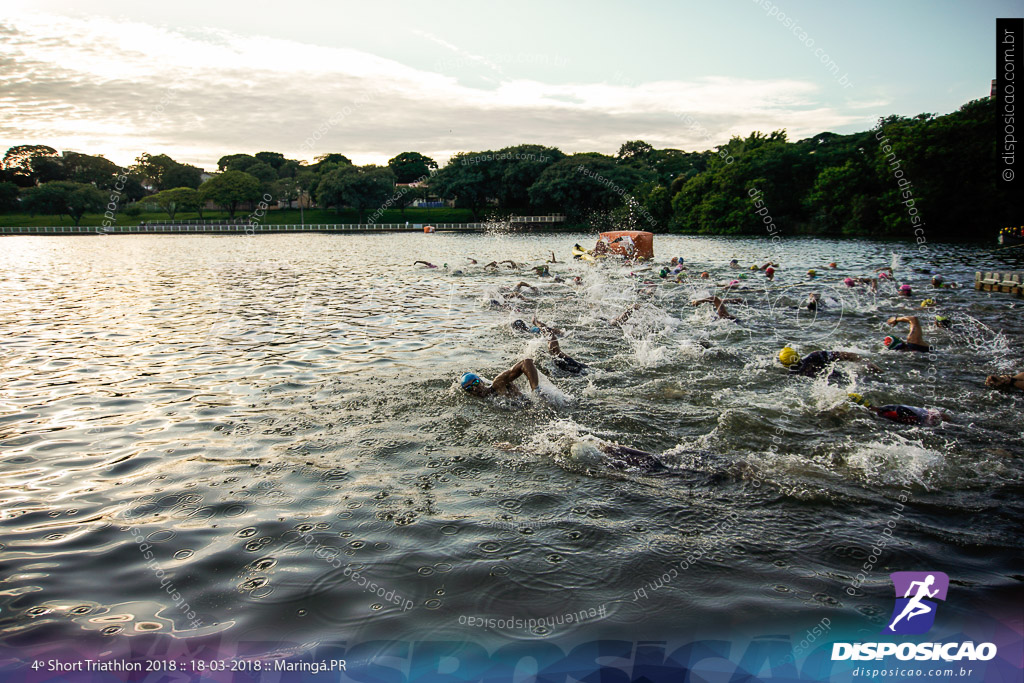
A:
<point x="769" y="272"/>
<point x="562" y="361"/>
<point x="813" y="303"/>
<point x="915" y="337"/>
<point x="908" y="415"/>
<point x="619" y="457"/>
<point x="516" y="292"/>
<point x="1005" y="381"/>
<point x="553" y="259"/>
<point x="503" y="384"/>
<point x="512" y="265"/>
<point x="905" y="290"/>
<point x="509" y="294"/>
<point x="542" y="271"/>
<point x="943" y="322"/>
<point x="719" y="305"/>
<point x="832" y="265"/>
<point x="428" y="264"/>
<point x="471" y="260"/>
<point x="624" y="316"/>
<point x="811" y="274"/>
<point x="815" y="364"/>
<point x="734" y="264"/>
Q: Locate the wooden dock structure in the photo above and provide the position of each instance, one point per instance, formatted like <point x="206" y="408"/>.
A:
<point x="248" y="228"/>
<point x="1010" y="283"/>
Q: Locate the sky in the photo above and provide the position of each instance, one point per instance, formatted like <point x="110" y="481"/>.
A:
<point x="199" y="80"/>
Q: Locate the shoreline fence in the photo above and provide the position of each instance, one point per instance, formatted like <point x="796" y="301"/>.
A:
<point x="230" y="228"/>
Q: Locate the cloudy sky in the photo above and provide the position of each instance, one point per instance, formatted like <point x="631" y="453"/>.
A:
<point x="197" y="80"/>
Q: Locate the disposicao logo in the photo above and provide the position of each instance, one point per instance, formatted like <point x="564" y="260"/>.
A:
<point x="914" y="614"/>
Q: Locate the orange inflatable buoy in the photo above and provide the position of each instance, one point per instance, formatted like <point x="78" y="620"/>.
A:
<point x="632" y="243"/>
<point x="428" y="228"/>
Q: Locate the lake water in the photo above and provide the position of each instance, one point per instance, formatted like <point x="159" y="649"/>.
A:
<point x="258" y="425"/>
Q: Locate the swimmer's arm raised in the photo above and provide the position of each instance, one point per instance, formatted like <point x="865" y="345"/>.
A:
<point x="503" y="382"/>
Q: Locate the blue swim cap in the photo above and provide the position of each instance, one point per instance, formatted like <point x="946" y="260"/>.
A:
<point x="468" y="380"/>
<point x="535" y="330"/>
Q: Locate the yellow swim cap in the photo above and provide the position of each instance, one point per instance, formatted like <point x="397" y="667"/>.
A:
<point x="857" y="398"/>
<point x="788" y="356"/>
<point x="927" y="302"/>
<point x="754" y="268"/>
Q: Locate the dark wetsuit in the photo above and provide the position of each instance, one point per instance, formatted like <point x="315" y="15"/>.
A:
<point x="561" y="361"/>
<point x="631" y="457"/>
<point x="907" y="346"/>
<point x="909" y="415"/>
<point x="814" y="364"/>
<point x="570" y="365"/>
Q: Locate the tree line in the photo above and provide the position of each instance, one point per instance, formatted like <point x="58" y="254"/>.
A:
<point x="828" y="184"/>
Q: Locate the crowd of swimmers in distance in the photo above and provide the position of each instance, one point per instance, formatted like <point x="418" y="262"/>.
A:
<point x="814" y="364"/>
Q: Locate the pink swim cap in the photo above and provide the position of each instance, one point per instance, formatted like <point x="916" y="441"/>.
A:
<point x="848" y="282"/>
<point x="904" y="288"/>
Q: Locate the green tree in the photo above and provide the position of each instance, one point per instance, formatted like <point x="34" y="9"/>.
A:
<point x="8" y="196"/>
<point x="405" y="196"/>
<point x="236" y="162"/>
<point x="264" y="173"/>
<point x="273" y="159"/>
<point x="95" y="170"/>
<point x="362" y="188"/>
<point x="62" y="197"/>
<point x="164" y="173"/>
<point x="30" y="164"/>
<point x="470" y="179"/>
<point x="635" y="149"/>
<point x="516" y="169"/>
<point x="177" y="199"/>
<point x="182" y="175"/>
<point x="410" y="166"/>
<point x="229" y="189"/>
<point x="585" y="186"/>
<point x="332" y="158"/>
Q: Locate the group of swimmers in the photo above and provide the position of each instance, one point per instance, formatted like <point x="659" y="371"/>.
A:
<point x="813" y="365"/>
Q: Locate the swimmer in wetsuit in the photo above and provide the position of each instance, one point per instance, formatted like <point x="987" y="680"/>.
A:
<point x="915" y="337"/>
<point x="1005" y="381"/>
<point x="815" y="364"/>
<point x="908" y="415"/>
<point x="503" y="383"/>
<point x="618" y="457"/>
<point x="428" y="264"/>
<point x="561" y="360"/>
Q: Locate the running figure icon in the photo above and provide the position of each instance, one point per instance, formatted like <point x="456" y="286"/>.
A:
<point x="916" y="596"/>
<point x="915" y="607"/>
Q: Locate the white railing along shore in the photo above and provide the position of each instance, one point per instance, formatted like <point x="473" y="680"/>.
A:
<point x="179" y="227"/>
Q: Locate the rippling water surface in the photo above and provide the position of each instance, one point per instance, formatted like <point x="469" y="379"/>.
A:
<point x="258" y="424"/>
